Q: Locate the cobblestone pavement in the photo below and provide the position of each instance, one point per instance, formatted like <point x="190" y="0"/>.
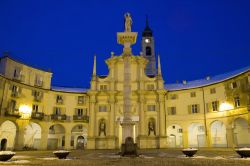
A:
<point x="166" y="157"/>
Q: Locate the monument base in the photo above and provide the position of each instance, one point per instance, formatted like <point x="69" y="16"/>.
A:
<point x="129" y="148"/>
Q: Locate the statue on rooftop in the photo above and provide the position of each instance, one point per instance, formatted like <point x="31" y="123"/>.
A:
<point x="128" y="22"/>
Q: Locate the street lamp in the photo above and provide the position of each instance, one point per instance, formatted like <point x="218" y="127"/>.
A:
<point x="25" y="111"/>
<point x="226" y="106"/>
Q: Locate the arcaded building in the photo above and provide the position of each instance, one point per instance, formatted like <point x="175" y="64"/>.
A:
<point x="210" y="112"/>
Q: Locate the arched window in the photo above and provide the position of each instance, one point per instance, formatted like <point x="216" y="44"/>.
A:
<point x="148" y="51"/>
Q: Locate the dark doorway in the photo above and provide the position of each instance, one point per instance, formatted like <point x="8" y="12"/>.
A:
<point x="3" y="144"/>
<point x="80" y="143"/>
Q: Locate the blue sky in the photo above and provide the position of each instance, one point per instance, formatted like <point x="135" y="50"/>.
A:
<point x="194" y="38"/>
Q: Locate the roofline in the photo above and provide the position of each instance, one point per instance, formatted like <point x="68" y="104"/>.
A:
<point x="18" y="61"/>
<point x="209" y="84"/>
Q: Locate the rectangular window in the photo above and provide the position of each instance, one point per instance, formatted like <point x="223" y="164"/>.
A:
<point x="38" y="80"/>
<point x="103" y="87"/>
<point x="234" y="85"/>
<point x="150" y="87"/>
<point x="81" y="100"/>
<point x="37" y="95"/>
<point x="57" y="111"/>
<point x="171" y="110"/>
<point x="15" y="91"/>
<point x="12" y="105"/>
<point x="35" y="108"/>
<point x="79" y="112"/>
<point x="212" y="91"/>
<point x="59" y="99"/>
<point x="179" y="130"/>
<point x="215" y="105"/>
<point x="193" y="94"/>
<point x="17" y="73"/>
<point x="194" y="108"/>
<point x="151" y="107"/>
<point x="173" y="96"/>
<point x="102" y="108"/>
<point x="237" y="101"/>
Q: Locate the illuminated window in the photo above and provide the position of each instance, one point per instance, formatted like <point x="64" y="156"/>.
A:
<point x="151" y="107"/>
<point x="237" y="101"/>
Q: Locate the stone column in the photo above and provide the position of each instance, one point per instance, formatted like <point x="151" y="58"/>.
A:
<point x="230" y="137"/>
<point x="185" y="137"/>
<point x="44" y="138"/>
<point x="67" y="139"/>
<point x="20" y="138"/>
<point x="21" y="123"/>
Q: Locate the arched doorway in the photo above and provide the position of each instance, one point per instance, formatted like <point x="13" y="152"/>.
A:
<point x="196" y="135"/>
<point x="241" y="133"/>
<point x="174" y="136"/>
<point x="8" y="132"/>
<point x="3" y="146"/>
<point x="32" y="136"/>
<point x="79" y="137"/>
<point x="56" y="137"/>
<point x="80" y="142"/>
<point x="218" y="134"/>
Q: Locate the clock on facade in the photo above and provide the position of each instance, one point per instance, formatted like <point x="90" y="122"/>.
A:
<point x="147" y="40"/>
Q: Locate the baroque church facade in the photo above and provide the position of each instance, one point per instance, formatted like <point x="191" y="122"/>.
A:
<point x="210" y="112"/>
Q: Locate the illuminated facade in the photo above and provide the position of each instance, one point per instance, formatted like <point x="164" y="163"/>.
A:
<point x="211" y="112"/>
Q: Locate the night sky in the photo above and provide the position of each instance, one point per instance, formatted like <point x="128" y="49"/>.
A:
<point x="195" y="38"/>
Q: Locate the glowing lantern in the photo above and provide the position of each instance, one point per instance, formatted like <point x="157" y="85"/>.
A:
<point x="226" y="106"/>
<point x="25" y="111"/>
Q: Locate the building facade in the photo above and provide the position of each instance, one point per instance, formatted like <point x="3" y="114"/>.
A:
<point x="210" y="112"/>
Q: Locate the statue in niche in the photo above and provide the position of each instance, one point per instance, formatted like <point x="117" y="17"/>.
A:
<point x="128" y="22"/>
<point x="102" y="128"/>
<point x="151" y="127"/>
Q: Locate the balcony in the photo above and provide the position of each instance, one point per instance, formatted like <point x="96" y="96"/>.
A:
<point x="84" y="119"/>
<point x="37" y="115"/>
<point x="58" y="117"/>
<point x="14" y="113"/>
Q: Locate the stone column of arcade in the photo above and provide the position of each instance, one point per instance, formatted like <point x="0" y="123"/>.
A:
<point x="25" y="112"/>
